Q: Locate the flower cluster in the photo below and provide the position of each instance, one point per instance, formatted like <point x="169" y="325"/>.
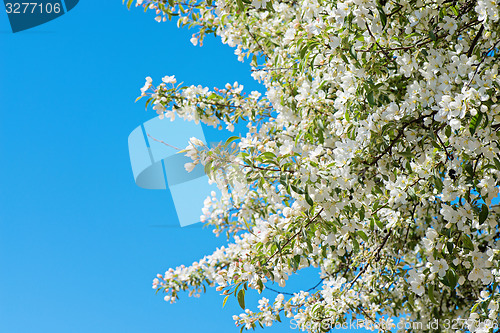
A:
<point x="373" y="157"/>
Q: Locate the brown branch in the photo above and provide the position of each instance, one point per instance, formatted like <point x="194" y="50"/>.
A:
<point x="425" y="40"/>
<point x="291" y="294"/>
<point x="445" y="149"/>
<point x="395" y="11"/>
<point x="265" y="169"/>
<point x="257" y="42"/>
<point x="474" y="42"/>
<point x="296" y="234"/>
<point x="376" y="257"/>
<point x="366" y="315"/>
<point x="398" y="136"/>
<point x="481" y="62"/>
<point x="380" y="47"/>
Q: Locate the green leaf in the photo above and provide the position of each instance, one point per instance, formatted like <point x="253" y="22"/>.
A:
<point x="497" y="163"/>
<point x="260" y="284"/>
<point x="430" y="292"/>
<point x="447" y="131"/>
<point x="445" y="280"/>
<point x="171" y="3"/>
<point x="129" y="3"/>
<point x="408" y="154"/>
<point x="362" y="234"/>
<point x="355" y="244"/>
<point x="268" y="155"/>
<point x="411" y="301"/>
<point x="352" y="51"/>
<point x="208" y="168"/>
<point x="320" y="124"/>
<point x="362" y="213"/>
<point x="449" y="245"/>
<point x="148" y="101"/>
<point x="452" y="277"/>
<point x="241" y="298"/>
<point x="439" y="184"/>
<point x="474" y="122"/>
<point x="483" y="215"/>
<point x="225" y="300"/>
<point x="240" y="4"/>
<point x="231" y="139"/>
<point x="383" y="17"/>
<point x="412" y="194"/>
<point x="296" y="189"/>
<point x="370" y="98"/>
<point x="344" y="58"/>
<point x="303" y="51"/>
<point x="308" y="198"/>
<point x="468" y="169"/>
<point x="309" y="245"/>
<point x="432" y="35"/>
<point x="269" y="6"/>
<point x="467" y="243"/>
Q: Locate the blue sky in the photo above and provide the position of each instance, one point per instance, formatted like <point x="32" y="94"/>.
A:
<point x="79" y="242"/>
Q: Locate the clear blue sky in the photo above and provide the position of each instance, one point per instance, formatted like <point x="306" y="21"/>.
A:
<point x="79" y="242"/>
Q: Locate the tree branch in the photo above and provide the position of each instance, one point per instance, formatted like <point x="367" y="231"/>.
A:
<point x="296" y="234"/>
<point x="474" y="42"/>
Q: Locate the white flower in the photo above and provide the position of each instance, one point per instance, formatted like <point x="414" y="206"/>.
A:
<point x="147" y="85"/>
<point x="417" y="287"/>
<point x="189" y="166"/>
<point x="259" y="3"/>
<point x="196" y="142"/>
<point x="475" y="274"/>
<point x="440" y="266"/>
<point x="334" y="42"/>
<point x="371" y="120"/>
<point x="455" y="124"/>
<point x="169" y="79"/>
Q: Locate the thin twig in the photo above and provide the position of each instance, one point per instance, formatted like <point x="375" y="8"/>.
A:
<point x="481" y="62"/>
<point x="474" y="42"/>
<point x="291" y="294"/>
<point x="160" y="141"/>
<point x="398" y="136"/>
<point x="380" y="47"/>
<point x="296" y="234"/>
<point x="376" y="256"/>
<point x="444" y="146"/>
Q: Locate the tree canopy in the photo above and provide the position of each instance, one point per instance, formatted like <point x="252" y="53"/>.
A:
<point x="373" y="157"/>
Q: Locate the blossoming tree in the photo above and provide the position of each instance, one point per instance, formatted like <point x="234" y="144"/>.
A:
<point x="373" y="157"/>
